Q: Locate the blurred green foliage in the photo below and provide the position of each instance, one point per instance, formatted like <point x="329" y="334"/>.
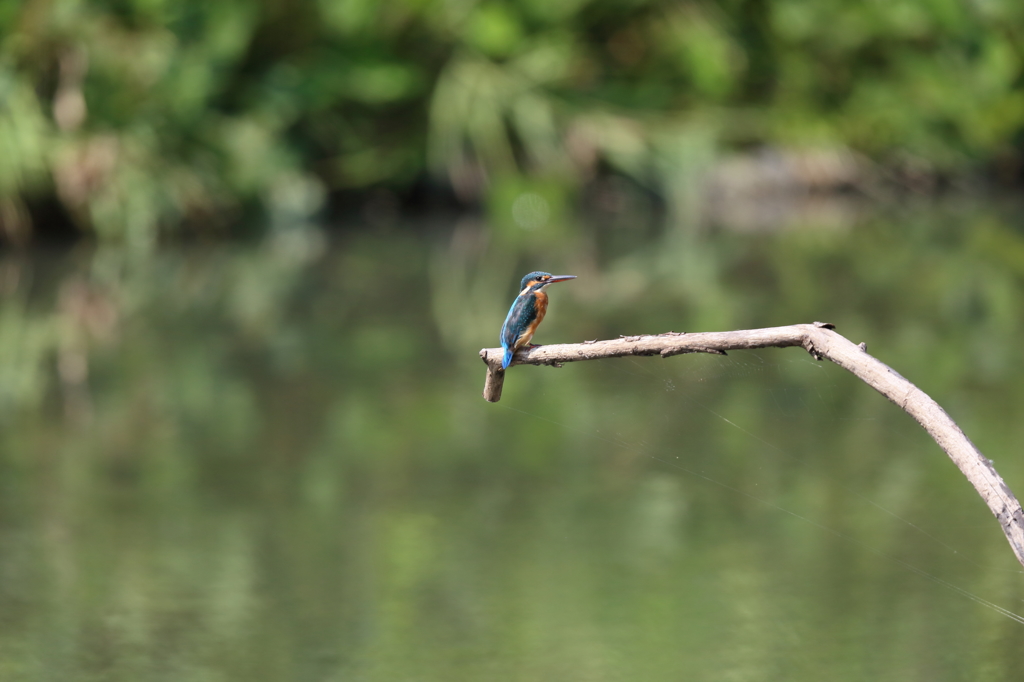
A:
<point x="143" y="116"/>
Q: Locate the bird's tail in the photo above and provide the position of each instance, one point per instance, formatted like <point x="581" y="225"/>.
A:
<point x="507" y="360"/>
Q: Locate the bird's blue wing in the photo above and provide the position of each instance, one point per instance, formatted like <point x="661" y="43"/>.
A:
<point x="520" y="315"/>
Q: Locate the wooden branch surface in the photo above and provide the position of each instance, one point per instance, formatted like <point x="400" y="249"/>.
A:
<point x="821" y="342"/>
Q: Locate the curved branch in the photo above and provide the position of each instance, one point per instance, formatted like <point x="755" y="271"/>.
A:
<point x="821" y="342"/>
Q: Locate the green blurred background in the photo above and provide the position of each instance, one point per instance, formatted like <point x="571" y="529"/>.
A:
<point x="130" y="119"/>
<point x="252" y="249"/>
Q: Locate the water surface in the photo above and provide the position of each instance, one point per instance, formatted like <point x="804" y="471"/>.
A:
<point x="272" y="462"/>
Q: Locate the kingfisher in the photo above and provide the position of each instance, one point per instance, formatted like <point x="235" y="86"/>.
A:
<point x="526" y="312"/>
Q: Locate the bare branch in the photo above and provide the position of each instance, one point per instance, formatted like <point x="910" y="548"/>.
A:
<point x="821" y="342"/>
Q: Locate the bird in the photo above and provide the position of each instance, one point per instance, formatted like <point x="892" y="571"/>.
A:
<point x="526" y="312"/>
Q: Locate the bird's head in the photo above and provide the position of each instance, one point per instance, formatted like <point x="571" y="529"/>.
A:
<point x="536" y="281"/>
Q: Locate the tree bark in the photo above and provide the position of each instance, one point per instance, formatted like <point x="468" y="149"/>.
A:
<point x="821" y="342"/>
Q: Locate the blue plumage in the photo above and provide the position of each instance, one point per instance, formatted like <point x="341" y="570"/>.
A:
<point x="526" y="313"/>
<point x="520" y="316"/>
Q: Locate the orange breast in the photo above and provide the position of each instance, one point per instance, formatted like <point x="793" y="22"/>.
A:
<point x="541" y="308"/>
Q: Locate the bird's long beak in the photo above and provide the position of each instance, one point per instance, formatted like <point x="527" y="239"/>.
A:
<point x="560" y="278"/>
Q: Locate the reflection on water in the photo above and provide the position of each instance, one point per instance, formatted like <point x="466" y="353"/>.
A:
<point x="273" y="462"/>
